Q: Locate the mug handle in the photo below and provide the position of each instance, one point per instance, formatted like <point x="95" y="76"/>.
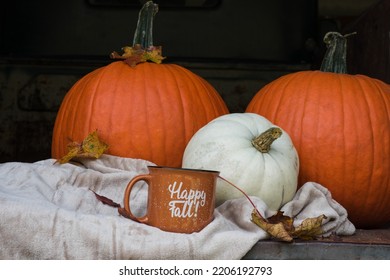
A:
<point x="143" y="177"/>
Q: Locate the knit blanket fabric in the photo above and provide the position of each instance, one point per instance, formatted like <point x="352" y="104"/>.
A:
<point x="50" y="211"/>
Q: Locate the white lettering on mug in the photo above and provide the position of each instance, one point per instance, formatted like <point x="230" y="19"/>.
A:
<point x="185" y="203"/>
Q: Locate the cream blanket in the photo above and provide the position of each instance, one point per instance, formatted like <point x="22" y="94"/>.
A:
<point x="48" y="211"/>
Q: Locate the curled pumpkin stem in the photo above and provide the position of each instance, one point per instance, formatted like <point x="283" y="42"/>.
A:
<point x="264" y="141"/>
<point x="335" y="59"/>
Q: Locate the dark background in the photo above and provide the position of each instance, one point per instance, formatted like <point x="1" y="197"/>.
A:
<point x="237" y="45"/>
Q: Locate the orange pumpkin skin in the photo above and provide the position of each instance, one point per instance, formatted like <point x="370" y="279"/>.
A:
<point x="149" y="111"/>
<point x="340" y="126"/>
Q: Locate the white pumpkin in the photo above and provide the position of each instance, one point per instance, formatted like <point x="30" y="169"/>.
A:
<point x="225" y="145"/>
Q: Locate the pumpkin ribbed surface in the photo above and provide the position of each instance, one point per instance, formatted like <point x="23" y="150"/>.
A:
<point x="250" y="152"/>
<point x="149" y="111"/>
<point x="340" y="126"/>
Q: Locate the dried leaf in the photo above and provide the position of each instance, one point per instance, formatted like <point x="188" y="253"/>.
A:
<point x="276" y="230"/>
<point x="73" y="149"/>
<point x="281" y="227"/>
<point x="136" y="54"/>
<point x="91" y="147"/>
<point x="153" y="54"/>
<point x="106" y="200"/>
<point x="279" y="217"/>
<point x="309" y="228"/>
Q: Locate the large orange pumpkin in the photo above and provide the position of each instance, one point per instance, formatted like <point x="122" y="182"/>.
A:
<point x="340" y="126"/>
<point x="149" y="111"/>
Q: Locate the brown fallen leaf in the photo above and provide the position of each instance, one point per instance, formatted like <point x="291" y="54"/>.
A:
<point x="279" y="217"/>
<point x="91" y="147"/>
<point x="276" y="230"/>
<point x="281" y="227"/>
<point x="106" y="200"/>
<point x="73" y="150"/>
<point x="110" y="202"/>
<point x="309" y="228"/>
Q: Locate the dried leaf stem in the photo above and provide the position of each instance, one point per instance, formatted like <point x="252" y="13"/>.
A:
<point x="244" y="193"/>
<point x="281" y="227"/>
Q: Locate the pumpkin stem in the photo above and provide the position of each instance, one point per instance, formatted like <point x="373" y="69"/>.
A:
<point x="142" y="49"/>
<point x="143" y="35"/>
<point x="264" y="141"/>
<point x="335" y="60"/>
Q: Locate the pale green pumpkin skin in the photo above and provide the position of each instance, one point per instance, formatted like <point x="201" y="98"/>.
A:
<point x="224" y="145"/>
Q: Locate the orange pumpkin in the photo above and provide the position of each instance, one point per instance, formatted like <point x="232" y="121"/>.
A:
<point x="149" y="111"/>
<point x="340" y="126"/>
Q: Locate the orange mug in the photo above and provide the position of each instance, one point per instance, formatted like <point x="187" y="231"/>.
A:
<point x="179" y="199"/>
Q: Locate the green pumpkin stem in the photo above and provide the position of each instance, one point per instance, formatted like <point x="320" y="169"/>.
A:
<point x="264" y="141"/>
<point x="142" y="49"/>
<point x="335" y="59"/>
<point x="143" y="35"/>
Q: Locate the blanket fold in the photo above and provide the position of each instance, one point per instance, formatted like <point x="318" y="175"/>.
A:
<point x="49" y="211"/>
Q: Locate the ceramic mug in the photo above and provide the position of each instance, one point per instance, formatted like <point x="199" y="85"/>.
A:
<point x="179" y="199"/>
